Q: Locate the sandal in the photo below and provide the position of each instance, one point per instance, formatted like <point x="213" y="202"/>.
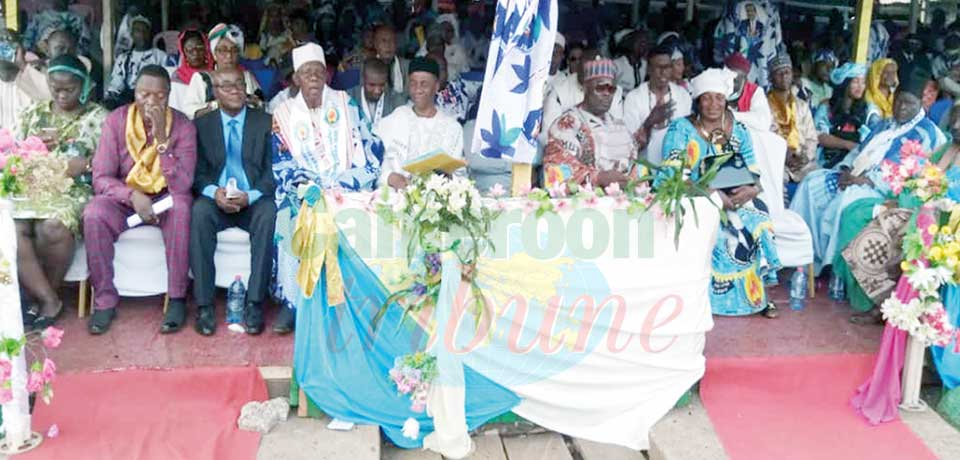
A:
<point x="30" y="314"/>
<point x="43" y="321"/>
<point x="771" y="311"/>
<point x="100" y="320"/>
<point x="873" y="317"/>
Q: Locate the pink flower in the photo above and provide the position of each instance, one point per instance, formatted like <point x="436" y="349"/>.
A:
<point x="561" y="205"/>
<point x="613" y="189"/>
<point x="6" y="368"/>
<point x="32" y="145"/>
<point x="34" y="382"/>
<point x="13" y="170"/>
<point x="912" y="148"/>
<point x="49" y="370"/>
<point x="338" y="197"/>
<point x="3" y="161"/>
<point x="500" y="206"/>
<point x="642" y="189"/>
<point x="525" y="189"/>
<point x="530" y="206"/>
<point x="6" y="395"/>
<point x="909" y="166"/>
<point x="557" y="190"/>
<point x="53" y="432"/>
<point x="52" y="337"/>
<point x="7" y="141"/>
<point x="497" y="190"/>
<point x="418" y="406"/>
<point x="591" y="201"/>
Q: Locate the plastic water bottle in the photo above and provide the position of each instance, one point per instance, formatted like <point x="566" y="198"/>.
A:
<point x="236" y="295"/>
<point x="798" y="289"/>
<point x="837" y="288"/>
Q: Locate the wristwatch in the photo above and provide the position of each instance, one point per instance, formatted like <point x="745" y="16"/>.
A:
<point x="162" y="148"/>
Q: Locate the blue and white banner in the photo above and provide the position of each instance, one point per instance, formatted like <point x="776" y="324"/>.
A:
<point x="518" y="64"/>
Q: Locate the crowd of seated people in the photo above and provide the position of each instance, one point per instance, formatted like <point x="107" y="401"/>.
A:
<point x="216" y="121"/>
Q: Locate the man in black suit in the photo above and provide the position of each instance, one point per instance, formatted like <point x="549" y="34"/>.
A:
<point x="372" y="95"/>
<point x="234" y="184"/>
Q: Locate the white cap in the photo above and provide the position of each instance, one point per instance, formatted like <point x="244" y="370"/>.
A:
<point x="310" y="52"/>
<point x="713" y="81"/>
<point x="561" y="40"/>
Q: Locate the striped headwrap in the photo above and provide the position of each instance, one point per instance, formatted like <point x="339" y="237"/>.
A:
<point x="599" y="68"/>
<point x="230" y="32"/>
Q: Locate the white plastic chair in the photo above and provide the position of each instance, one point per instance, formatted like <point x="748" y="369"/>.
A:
<point x="792" y="235"/>
<point x="232" y="257"/>
<point x="139" y="265"/>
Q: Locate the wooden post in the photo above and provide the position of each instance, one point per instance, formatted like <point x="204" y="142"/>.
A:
<point x="11" y="12"/>
<point x="522" y="173"/>
<point x="107" y="37"/>
<point x="861" y="35"/>
<point x="302" y="409"/>
<point x="914" y="15"/>
<point x="165" y="16"/>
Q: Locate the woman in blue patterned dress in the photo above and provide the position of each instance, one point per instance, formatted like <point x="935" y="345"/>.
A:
<point x="745" y="255"/>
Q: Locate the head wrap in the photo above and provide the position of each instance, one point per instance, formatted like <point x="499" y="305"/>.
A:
<point x="667" y="36"/>
<point x="713" y="81"/>
<point x="184" y="71"/>
<point x="847" y="71"/>
<point x="8" y="45"/>
<point x="230" y="32"/>
<point x="874" y="95"/>
<point x="824" y="54"/>
<point x="69" y="63"/>
<point x="142" y="19"/>
<point x="780" y="61"/>
<point x="736" y="61"/>
<point x="560" y="40"/>
<point x="310" y="52"/>
<point x="423" y="64"/>
<point x="915" y="79"/>
<point x="621" y="35"/>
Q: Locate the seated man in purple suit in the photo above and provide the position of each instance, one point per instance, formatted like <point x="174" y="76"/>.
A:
<point x="147" y="151"/>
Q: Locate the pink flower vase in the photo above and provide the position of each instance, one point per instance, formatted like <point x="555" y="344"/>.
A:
<point x="877" y="399"/>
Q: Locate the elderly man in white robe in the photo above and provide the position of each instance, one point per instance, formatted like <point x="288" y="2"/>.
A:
<point x="649" y="109"/>
<point x="419" y="128"/>
<point x="320" y="138"/>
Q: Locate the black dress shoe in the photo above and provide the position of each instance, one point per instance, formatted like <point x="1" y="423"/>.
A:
<point x="175" y="317"/>
<point x="100" y="320"/>
<point x="206" y="320"/>
<point x="284" y="323"/>
<point x="253" y="318"/>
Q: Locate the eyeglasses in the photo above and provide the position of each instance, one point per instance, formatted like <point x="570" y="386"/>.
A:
<point x="605" y="89"/>
<point x="237" y="86"/>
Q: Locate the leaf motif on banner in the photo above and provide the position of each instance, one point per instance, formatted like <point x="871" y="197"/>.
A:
<point x="499" y="139"/>
<point x="531" y="123"/>
<point x="523" y="73"/>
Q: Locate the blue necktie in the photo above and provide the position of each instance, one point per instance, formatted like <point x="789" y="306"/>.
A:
<point x="234" y="166"/>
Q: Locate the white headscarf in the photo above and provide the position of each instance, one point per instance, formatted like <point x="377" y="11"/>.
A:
<point x="309" y="52"/>
<point x="713" y="81"/>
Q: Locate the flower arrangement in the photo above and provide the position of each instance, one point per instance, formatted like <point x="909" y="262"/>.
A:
<point x="438" y="214"/>
<point x="412" y="374"/>
<point x="43" y="370"/>
<point x="674" y="183"/>
<point x="931" y="260"/>
<point x="914" y="173"/>
<point x="28" y="170"/>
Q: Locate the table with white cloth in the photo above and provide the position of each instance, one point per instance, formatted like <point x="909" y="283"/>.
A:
<point x="599" y="318"/>
<point x="16" y="412"/>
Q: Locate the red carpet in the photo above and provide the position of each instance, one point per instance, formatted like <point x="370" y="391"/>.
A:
<point x="798" y="407"/>
<point x="150" y="414"/>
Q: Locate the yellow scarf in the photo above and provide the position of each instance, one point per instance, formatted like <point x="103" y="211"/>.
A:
<point x="785" y="116"/>
<point x="315" y="242"/>
<point x="146" y="175"/>
<point x="874" y="96"/>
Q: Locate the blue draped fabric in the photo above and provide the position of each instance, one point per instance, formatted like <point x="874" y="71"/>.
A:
<point x="343" y="364"/>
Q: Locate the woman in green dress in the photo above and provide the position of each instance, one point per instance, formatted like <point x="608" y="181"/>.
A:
<point x="47" y="229"/>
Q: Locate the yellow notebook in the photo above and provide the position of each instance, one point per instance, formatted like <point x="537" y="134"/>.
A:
<point x="436" y="160"/>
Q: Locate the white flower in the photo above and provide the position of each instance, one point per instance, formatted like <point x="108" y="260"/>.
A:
<point x="456" y="203"/>
<point x="436" y="183"/>
<point x="411" y="428"/>
<point x="497" y="190"/>
<point x="927" y="279"/>
<point x="397" y="202"/>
